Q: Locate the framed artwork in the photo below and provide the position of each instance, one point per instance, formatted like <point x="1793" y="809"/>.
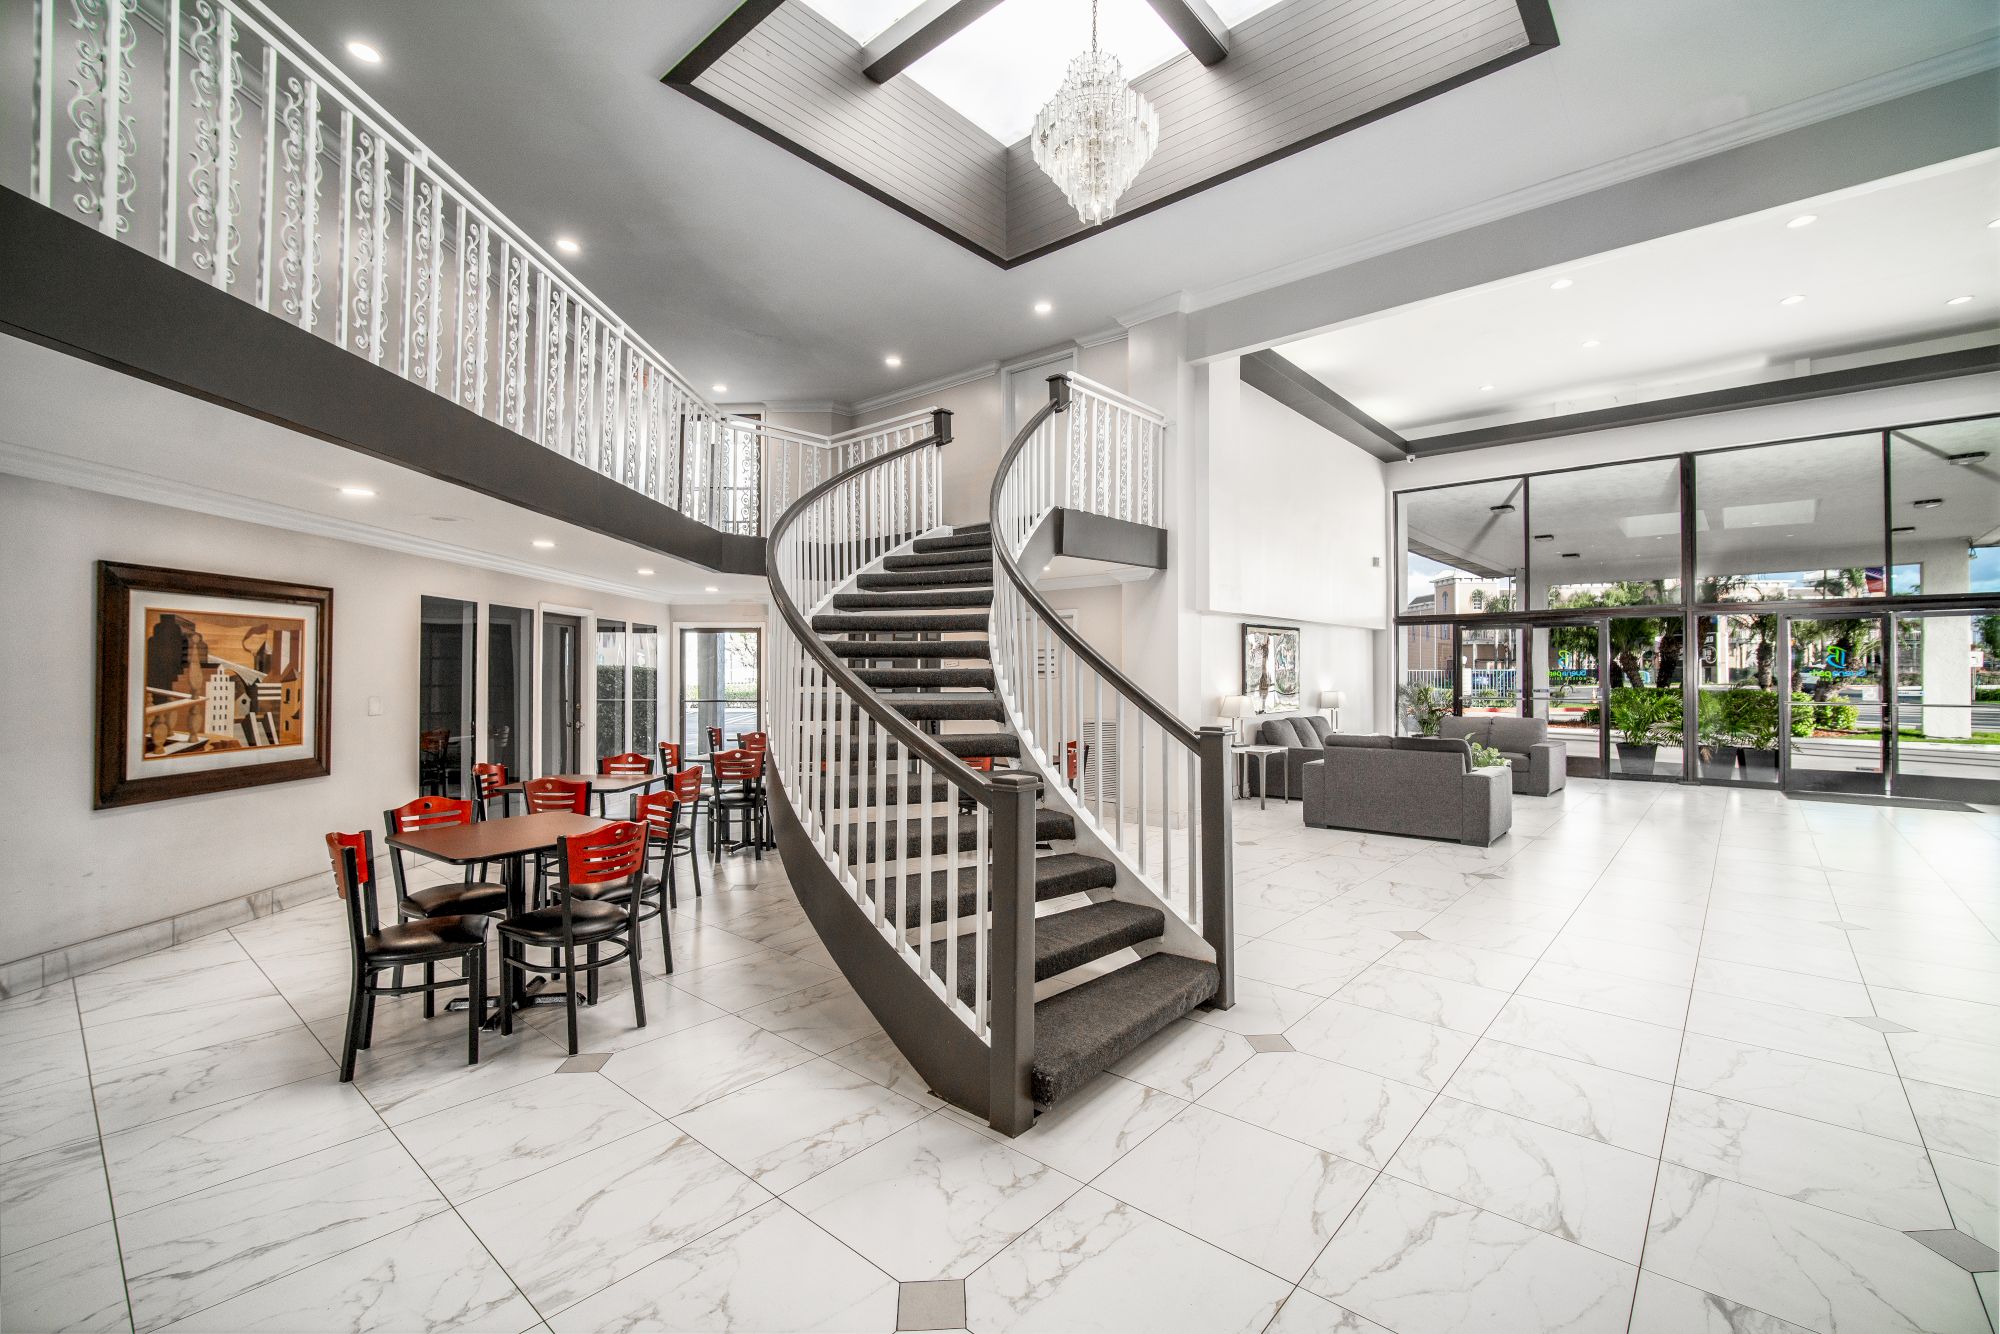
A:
<point x="1271" y="666"/>
<point x="208" y="682"/>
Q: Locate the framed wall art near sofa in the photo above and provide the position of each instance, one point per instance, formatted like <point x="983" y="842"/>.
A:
<point x="1271" y="667"/>
<point x="208" y="682"/>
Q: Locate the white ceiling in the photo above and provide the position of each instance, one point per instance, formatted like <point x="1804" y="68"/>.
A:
<point x="1686" y="312"/>
<point x="749" y="266"/>
<point x="68" y="420"/>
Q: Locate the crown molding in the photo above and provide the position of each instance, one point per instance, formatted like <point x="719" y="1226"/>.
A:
<point x="1173" y="303"/>
<point x="1970" y="59"/>
<point x="109" y="479"/>
<point x="809" y="405"/>
<point x="1113" y="333"/>
<point x="937" y="386"/>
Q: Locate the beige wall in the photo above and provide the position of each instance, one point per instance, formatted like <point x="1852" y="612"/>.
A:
<point x="68" y="873"/>
<point x="976" y="446"/>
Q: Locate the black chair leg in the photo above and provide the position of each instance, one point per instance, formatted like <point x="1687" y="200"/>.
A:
<point x="430" y="995"/>
<point x="666" y="942"/>
<point x="569" y="984"/>
<point x="638" y="987"/>
<point x="667" y="874"/>
<point x="353" y="1043"/>
<point x="694" y="865"/>
<point x="475" y="1010"/>
<point x="590" y="952"/>
<point x="367" y="1017"/>
<point x="506" y="989"/>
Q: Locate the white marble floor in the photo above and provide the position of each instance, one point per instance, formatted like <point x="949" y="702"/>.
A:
<point x="1665" y="1060"/>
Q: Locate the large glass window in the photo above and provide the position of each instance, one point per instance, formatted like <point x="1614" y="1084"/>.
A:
<point x="1606" y="537"/>
<point x="611" y="688"/>
<point x="1799" y="521"/>
<point x="447" y="673"/>
<point x="645" y="688"/>
<point x="510" y="686"/>
<point x="1462" y="549"/>
<point x="1944" y="489"/>
<point x="719" y="686"/>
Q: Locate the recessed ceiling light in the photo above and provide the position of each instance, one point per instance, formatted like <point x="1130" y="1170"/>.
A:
<point x="543" y="543"/>
<point x="358" y="492"/>
<point x="644" y="570"/>
<point x="1571" y="555"/>
<point x="711" y="589"/>
<point x="1966" y="460"/>
<point x="1958" y="301"/>
<point x="1502" y="508"/>
<point x="892" y="361"/>
<point x="568" y="245"/>
<point x="1560" y="283"/>
<point x="1589" y="343"/>
<point x="364" y="53"/>
<point x="1930" y="503"/>
<point x="718" y="389"/>
<point x="1803" y="220"/>
<point x="1485" y="388"/>
<point x="1044" y="307"/>
<point x="1904" y="528"/>
<point x="1791" y="300"/>
<point x="1545" y="537"/>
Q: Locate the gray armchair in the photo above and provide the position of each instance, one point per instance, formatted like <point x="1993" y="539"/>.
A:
<point x="1425" y="787"/>
<point x="1301" y="734"/>
<point x="1539" y="765"/>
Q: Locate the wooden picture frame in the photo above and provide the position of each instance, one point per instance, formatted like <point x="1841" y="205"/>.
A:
<point x="208" y="683"/>
<point x="1279" y="646"/>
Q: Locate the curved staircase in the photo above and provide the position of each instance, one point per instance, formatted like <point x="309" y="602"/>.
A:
<point x="962" y="901"/>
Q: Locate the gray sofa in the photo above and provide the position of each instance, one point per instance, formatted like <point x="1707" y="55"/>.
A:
<point x="1425" y="787"/>
<point x="1302" y="735"/>
<point x="1540" y="765"/>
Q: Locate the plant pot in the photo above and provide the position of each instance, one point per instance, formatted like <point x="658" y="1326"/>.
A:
<point x="1718" y="763"/>
<point x="1636" y="759"/>
<point x="1760" y="763"/>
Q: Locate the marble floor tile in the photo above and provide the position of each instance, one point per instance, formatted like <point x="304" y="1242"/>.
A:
<point x="1609" y="1106"/>
<point x="70" y="1284"/>
<point x="147" y="1038"/>
<point x="1425" y="998"/>
<point x="432" y="1275"/>
<point x="1419" y="1262"/>
<point x="1628" y="1045"/>
<point x="1260" y="1007"/>
<point x="421" y="1069"/>
<point x="1336" y="1108"/>
<point x="1972" y="1066"/>
<point x="572" y="1230"/>
<point x="484" y="1145"/>
<point x="1575" y="1188"/>
<point x="1939" y="1016"/>
<point x="1782" y="951"/>
<point x="1842" y="1095"/>
<point x="1802" y="991"/>
<point x="38" y="1117"/>
<point x="1624" y="931"/>
<point x="1458" y="962"/>
<point x="1260" y="1196"/>
<point x="1498" y="937"/>
<point x="698" y="946"/>
<point x="771" y="1269"/>
<point x="46" y="1060"/>
<point x="1185" y="1059"/>
<point x="739" y="984"/>
<point x="44" y="1013"/>
<point x="876" y="1057"/>
<point x="698" y="1065"/>
<point x="1096" y="1264"/>
<point x="1092" y="1128"/>
<point x="1664" y="1306"/>
<point x="1967" y="1124"/>
<point x="153" y="1090"/>
<point x="1783" y="1028"/>
<point x="1384" y="1044"/>
<point x="819" y="1018"/>
<point x="1972" y="1191"/>
<point x="1879" y="1180"/>
<point x="52" y="1194"/>
<point x="189" y="1254"/>
<point x="1801" y="1263"/>
<point x="1621" y="994"/>
<point x="936" y="1199"/>
<point x="1267" y="959"/>
<point x="799" y="1122"/>
<point x="1931" y="979"/>
<point x="1304" y="1313"/>
<point x="610" y="1025"/>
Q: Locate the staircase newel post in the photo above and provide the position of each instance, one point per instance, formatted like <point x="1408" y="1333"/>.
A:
<point x="1010" y="1106"/>
<point x="1217" y="906"/>
<point x="941" y="425"/>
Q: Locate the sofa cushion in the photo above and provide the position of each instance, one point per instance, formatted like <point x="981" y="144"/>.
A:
<point x="1280" y="732"/>
<point x="1357" y="741"/>
<point x="1516" y="735"/>
<point x="1319" y="726"/>
<point x="1478" y="727"/>
<point x="1447" y="745"/>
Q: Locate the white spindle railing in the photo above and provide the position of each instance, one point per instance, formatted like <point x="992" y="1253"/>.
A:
<point x="212" y="135"/>
<point x="1150" y="787"/>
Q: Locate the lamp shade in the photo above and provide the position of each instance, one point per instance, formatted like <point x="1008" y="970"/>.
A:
<point x="1235" y="706"/>
<point x="1333" y="699"/>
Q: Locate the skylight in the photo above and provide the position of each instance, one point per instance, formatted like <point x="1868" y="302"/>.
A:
<point x="863" y="20"/>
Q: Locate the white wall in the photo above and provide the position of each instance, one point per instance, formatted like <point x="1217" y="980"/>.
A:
<point x="68" y="873"/>
<point x="975" y="448"/>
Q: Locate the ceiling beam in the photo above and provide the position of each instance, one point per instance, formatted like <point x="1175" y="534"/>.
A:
<point x="917" y="34"/>
<point x="1275" y="376"/>
<point x="1200" y="31"/>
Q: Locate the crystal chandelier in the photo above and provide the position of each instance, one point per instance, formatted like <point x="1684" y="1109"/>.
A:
<point x="1095" y="133"/>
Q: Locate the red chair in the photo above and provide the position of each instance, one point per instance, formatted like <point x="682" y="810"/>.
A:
<point x="670" y="757"/>
<point x="686" y="793"/>
<point x="470" y="896"/>
<point x="379" y="948"/>
<point x="629" y="765"/>
<point x="490" y="778"/>
<point x="754" y="740"/>
<point x="597" y="903"/>
<point x="744" y="768"/>
<point x="714" y="741"/>
<point x="555" y="794"/>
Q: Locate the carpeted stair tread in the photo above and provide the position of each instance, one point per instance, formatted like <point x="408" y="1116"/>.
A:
<point x="983" y="526"/>
<point x="860" y="841"/>
<point x="1057" y="875"/>
<point x="1090" y="1028"/>
<point x="932" y="560"/>
<point x="916" y="678"/>
<point x="963" y="706"/>
<point x="851" y="622"/>
<point x="936" y="577"/>
<point x="865" y="791"/>
<point x="979" y="541"/>
<point x="942" y="649"/>
<point x="967" y="595"/>
<point x="1063" y="941"/>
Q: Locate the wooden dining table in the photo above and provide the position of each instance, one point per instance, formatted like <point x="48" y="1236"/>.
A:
<point x="602" y="786"/>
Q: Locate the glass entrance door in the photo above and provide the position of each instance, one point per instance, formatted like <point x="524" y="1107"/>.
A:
<point x="720" y="687"/>
<point x="1832" y="719"/>
<point x="1946" y="742"/>
<point x="1489" y="671"/>
<point x="1566" y="686"/>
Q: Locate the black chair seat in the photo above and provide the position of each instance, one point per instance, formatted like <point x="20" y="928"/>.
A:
<point x="612" y="891"/>
<point x="592" y="920"/>
<point x="456" y="900"/>
<point x="431" y="939"/>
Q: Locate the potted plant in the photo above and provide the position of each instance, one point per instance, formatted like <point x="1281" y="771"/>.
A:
<point x="1486" y="757"/>
<point x="1719" y="747"/>
<point x="1751" y="717"/>
<point x="1426" y="705"/>
<point x="1641" y="717"/>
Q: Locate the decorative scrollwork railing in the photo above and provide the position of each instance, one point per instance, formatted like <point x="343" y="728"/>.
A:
<point x="210" y="134"/>
<point x="1153" y="789"/>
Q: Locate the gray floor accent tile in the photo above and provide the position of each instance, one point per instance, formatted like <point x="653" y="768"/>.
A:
<point x="1967" y="1252"/>
<point x="1411" y="935"/>
<point x="1879" y="1025"/>
<point x="584" y="1063"/>
<point x="935" y="1304"/>
<point x="1265" y="1042"/>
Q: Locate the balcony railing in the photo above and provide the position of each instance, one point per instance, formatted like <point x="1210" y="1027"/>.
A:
<point x="212" y="135"/>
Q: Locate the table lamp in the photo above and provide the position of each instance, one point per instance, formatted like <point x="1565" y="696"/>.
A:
<point x="1234" y="709"/>
<point x="1333" y="701"/>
